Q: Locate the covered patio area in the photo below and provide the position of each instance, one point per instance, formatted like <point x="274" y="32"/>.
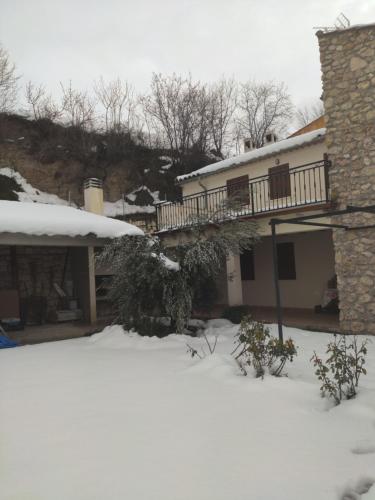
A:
<point x="47" y="269"/>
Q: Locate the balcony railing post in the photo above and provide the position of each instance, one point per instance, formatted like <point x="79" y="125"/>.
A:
<point x="157" y="217"/>
<point x="252" y="198"/>
<point x="327" y="164"/>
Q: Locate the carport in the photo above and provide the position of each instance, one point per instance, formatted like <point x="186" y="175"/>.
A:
<point x="47" y="261"/>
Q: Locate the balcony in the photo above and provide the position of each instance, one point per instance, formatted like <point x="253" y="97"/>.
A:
<point x="281" y="189"/>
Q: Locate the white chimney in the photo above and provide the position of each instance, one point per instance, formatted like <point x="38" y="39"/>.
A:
<point x="248" y="145"/>
<point x="270" y="138"/>
<point x="93" y="195"/>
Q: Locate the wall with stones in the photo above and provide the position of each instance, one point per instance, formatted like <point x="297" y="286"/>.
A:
<point x="33" y="272"/>
<point x="348" y="74"/>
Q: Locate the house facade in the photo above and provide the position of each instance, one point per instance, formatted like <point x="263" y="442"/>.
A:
<point x="283" y="178"/>
<point x="314" y="171"/>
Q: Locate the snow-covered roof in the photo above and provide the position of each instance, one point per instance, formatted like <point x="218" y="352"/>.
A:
<point x="128" y="205"/>
<point x="38" y="219"/>
<point x="111" y="209"/>
<point x="335" y="30"/>
<point x="256" y="154"/>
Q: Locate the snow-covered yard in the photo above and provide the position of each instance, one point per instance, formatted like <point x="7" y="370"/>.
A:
<point x="118" y="416"/>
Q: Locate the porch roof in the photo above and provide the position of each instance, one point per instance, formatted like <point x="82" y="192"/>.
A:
<point x="39" y="219"/>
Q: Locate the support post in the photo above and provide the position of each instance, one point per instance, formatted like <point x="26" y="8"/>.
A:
<point x="276" y="282"/>
<point x="326" y="175"/>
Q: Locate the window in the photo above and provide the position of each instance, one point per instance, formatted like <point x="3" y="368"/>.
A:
<point x="247" y="265"/>
<point x="279" y="181"/>
<point x="238" y="189"/>
<point x="286" y="261"/>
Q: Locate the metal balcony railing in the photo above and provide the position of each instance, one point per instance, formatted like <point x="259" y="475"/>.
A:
<point x="304" y="185"/>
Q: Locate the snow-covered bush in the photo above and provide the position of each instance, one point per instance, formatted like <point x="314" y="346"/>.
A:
<point x="257" y="348"/>
<point x="342" y="369"/>
<point x="153" y="280"/>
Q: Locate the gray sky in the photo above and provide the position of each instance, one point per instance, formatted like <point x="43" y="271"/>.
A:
<point x="52" y="41"/>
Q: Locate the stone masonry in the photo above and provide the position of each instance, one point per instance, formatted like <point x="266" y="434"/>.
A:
<point x="35" y="270"/>
<point x="348" y="74"/>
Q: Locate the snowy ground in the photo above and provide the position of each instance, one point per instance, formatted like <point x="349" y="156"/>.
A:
<point x="118" y="416"/>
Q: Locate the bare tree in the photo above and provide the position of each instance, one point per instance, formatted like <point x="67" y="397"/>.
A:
<point x="78" y="107"/>
<point x="8" y="82"/>
<point x="118" y="102"/>
<point x="41" y="104"/>
<point x="221" y="107"/>
<point x="307" y="114"/>
<point x="263" y="107"/>
<point x="179" y="109"/>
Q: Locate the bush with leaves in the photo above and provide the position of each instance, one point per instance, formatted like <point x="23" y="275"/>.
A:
<point x="257" y="348"/>
<point x="342" y="369"/>
<point x="151" y="279"/>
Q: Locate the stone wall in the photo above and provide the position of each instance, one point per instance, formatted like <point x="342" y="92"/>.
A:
<point x="348" y="74"/>
<point x="33" y="272"/>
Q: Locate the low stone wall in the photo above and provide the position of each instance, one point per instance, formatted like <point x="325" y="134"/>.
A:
<point x="348" y="74"/>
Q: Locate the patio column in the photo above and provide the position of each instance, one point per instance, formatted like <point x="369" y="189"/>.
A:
<point x="234" y="281"/>
<point x="83" y="267"/>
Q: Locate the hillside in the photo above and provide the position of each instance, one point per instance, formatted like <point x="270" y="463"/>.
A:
<point x="56" y="160"/>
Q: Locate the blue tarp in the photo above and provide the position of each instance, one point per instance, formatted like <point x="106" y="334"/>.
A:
<point x="5" y="342"/>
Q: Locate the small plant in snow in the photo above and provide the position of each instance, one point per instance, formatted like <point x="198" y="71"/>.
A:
<point x="342" y="369"/>
<point x="211" y="347"/>
<point x="257" y="348"/>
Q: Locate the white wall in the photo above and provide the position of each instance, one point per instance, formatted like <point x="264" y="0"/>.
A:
<point x="295" y="158"/>
<point x="314" y="257"/>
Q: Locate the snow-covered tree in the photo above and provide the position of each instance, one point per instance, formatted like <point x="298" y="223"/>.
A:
<point x="152" y="280"/>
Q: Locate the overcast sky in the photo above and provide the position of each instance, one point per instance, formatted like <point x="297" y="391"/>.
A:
<point x="52" y="41"/>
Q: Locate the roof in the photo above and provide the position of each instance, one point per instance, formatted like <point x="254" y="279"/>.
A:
<point x="40" y="219"/>
<point x="257" y="154"/>
<point x="313" y="125"/>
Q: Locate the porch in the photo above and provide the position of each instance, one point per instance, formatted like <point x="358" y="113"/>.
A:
<point x="41" y="285"/>
<point x="306" y="271"/>
<point x="48" y="332"/>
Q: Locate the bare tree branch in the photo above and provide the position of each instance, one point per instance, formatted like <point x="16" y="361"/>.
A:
<point x="8" y="82"/>
<point x="307" y="114"/>
<point x="40" y="103"/>
<point x="262" y="107"/>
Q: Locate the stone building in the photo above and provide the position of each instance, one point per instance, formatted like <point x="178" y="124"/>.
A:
<point x="348" y="74"/>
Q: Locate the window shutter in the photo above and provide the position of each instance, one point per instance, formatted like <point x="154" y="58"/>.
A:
<point x="279" y="181"/>
<point x="238" y="189"/>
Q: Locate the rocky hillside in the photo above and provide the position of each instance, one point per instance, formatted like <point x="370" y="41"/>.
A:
<point x="56" y="160"/>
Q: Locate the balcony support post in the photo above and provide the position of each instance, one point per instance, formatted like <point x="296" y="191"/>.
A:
<point x="276" y="281"/>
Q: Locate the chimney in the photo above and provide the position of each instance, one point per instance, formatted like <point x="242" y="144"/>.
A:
<point x="269" y="138"/>
<point x="93" y="195"/>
